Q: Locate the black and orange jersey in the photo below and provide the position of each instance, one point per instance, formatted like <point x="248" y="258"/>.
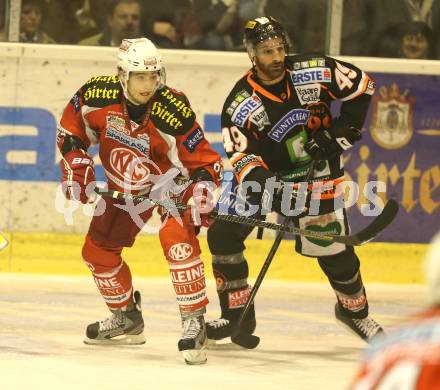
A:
<point x="266" y="127"/>
<point x="131" y="153"/>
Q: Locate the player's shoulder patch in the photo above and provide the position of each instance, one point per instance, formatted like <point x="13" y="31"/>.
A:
<point x="171" y="111"/>
<point x="306" y="61"/>
<point x="242" y="103"/>
<point x="309" y="69"/>
<point x="238" y="94"/>
<point x="101" y="91"/>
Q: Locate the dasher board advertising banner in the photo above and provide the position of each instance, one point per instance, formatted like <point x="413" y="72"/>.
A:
<point x="400" y="145"/>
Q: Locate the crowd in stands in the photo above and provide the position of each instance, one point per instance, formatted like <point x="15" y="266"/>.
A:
<point x="391" y="28"/>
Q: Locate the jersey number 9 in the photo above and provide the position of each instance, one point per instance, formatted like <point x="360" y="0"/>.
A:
<point x="234" y="140"/>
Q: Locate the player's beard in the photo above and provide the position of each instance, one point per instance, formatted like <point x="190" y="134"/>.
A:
<point x="270" y="71"/>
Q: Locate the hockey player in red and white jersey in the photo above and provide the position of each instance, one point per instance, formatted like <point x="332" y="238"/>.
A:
<point x="408" y="358"/>
<point x="145" y="130"/>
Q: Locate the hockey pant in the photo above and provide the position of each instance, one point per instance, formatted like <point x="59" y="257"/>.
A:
<point x="115" y="229"/>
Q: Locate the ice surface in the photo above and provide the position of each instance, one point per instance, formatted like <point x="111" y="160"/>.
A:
<point x="43" y="319"/>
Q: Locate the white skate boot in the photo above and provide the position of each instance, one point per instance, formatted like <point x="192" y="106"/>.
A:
<point x="121" y="328"/>
<point x="193" y="341"/>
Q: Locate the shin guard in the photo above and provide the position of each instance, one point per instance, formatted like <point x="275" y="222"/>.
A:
<point x="111" y="274"/>
<point x="231" y="273"/>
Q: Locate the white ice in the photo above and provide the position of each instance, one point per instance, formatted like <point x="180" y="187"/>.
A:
<point x="43" y="319"/>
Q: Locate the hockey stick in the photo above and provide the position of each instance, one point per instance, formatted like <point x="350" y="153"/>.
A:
<point x="384" y="219"/>
<point x="251" y="341"/>
<point x="367" y="234"/>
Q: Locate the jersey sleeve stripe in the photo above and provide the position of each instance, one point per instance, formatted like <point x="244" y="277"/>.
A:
<point x="329" y="92"/>
<point x="235" y="157"/>
<point x="246" y="170"/>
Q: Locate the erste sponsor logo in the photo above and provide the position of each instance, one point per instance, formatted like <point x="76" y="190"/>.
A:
<point x="307" y="76"/>
<point x="245" y="108"/>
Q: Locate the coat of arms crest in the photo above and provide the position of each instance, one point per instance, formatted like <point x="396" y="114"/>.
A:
<point x="392" y="123"/>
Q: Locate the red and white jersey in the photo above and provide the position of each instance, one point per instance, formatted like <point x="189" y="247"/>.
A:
<point x="407" y="359"/>
<point x="132" y="154"/>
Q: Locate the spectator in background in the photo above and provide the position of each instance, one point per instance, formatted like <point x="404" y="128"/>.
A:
<point x="242" y="11"/>
<point x="390" y="16"/>
<point x="410" y="40"/>
<point x="207" y="22"/>
<point x="304" y="20"/>
<point x="32" y="12"/>
<point x="408" y="358"/>
<point x="64" y="20"/>
<point x="162" y="22"/>
<point x="123" y="21"/>
<point x="417" y="41"/>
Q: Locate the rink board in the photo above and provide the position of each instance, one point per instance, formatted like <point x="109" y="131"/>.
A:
<point x="38" y="81"/>
<point x="61" y="254"/>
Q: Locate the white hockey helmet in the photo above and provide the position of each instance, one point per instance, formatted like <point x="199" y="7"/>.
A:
<point x="139" y="55"/>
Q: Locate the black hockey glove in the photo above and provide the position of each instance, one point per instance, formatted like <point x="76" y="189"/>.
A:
<point x="332" y="142"/>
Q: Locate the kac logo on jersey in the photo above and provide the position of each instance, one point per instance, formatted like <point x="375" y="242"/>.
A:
<point x="193" y="140"/>
<point x="287" y="122"/>
<point x="306" y="76"/>
<point x="245" y="108"/>
<point x="129" y="166"/>
<point x="180" y="251"/>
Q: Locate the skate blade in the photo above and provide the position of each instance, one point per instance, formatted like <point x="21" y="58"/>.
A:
<point x="194" y="356"/>
<point x="223" y="345"/>
<point x="128" y="339"/>
<point x="343" y="325"/>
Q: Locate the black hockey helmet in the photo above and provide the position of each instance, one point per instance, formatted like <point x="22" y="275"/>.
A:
<point x="261" y="29"/>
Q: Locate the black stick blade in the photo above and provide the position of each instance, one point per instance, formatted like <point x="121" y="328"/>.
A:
<point x="384" y="219"/>
<point x="248" y="341"/>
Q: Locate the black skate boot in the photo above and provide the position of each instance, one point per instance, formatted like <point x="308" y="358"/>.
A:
<point x="193" y="341"/>
<point x="366" y="328"/>
<point x="121" y="328"/>
<point x="222" y="328"/>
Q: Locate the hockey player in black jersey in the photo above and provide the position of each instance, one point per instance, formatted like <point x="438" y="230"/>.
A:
<point x="275" y="121"/>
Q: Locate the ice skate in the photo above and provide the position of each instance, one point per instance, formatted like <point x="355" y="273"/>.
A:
<point x="222" y="328"/>
<point x="193" y="341"/>
<point x="366" y="328"/>
<point x="121" y="328"/>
